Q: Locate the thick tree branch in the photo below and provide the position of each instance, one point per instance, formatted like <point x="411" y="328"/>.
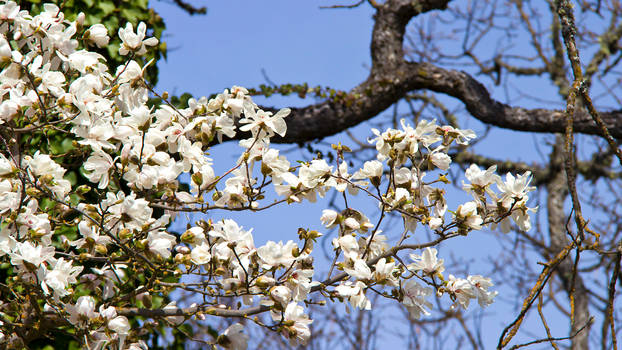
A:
<point x="378" y="93"/>
<point x="392" y="78"/>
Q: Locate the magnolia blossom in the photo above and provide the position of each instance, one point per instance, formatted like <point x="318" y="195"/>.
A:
<point x="383" y="272"/>
<point x="26" y="252"/>
<point x="515" y="189"/>
<point x="42" y="166"/>
<point x="415" y="299"/>
<point x="82" y="311"/>
<point x="99" y="166"/>
<point x="480" y="286"/>
<point x="300" y="283"/>
<point x="200" y="255"/>
<point x="462" y="137"/>
<point x="119" y="324"/>
<point x="135" y="42"/>
<point x="98" y="34"/>
<point x="360" y="270"/>
<point x="468" y="213"/>
<point x="461" y="290"/>
<point x="355" y="292"/>
<point x="349" y="245"/>
<point x="480" y="180"/>
<point x="329" y="218"/>
<point x="281" y="295"/>
<point x="277" y="254"/>
<point x="256" y="121"/>
<point x="299" y="332"/>
<point x="234" y="338"/>
<point x="108" y="313"/>
<point x="440" y="160"/>
<point x="161" y="243"/>
<point x="315" y="173"/>
<point x="371" y="170"/>
<point x="60" y="277"/>
<point x="427" y="262"/>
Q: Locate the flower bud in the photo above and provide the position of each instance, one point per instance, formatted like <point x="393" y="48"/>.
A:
<point x="80" y="19"/>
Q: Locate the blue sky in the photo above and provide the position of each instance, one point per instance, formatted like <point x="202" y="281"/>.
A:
<point x="296" y="42"/>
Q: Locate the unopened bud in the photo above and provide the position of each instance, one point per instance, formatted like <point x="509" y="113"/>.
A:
<point x="197" y="178"/>
<point x="101" y="249"/>
<point x="181" y="249"/>
<point x="188" y="237"/>
<point x="80" y="19"/>
<point x="125" y="234"/>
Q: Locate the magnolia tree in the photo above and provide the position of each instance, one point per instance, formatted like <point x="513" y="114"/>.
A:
<point x="95" y="260"/>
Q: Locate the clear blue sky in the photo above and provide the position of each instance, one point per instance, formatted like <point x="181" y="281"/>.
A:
<point x="296" y="42"/>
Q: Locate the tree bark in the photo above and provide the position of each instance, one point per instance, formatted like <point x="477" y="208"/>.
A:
<point x="557" y="189"/>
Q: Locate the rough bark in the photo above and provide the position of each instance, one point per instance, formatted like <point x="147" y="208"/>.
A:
<point x="557" y="189"/>
<point x="392" y="77"/>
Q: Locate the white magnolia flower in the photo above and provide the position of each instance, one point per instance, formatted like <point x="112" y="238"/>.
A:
<point x="515" y="189"/>
<point x="161" y="243"/>
<point x="42" y="166"/>
<point x="480" y="180"/>
<point x="299" y="332"/>
<point x="6" y="166"/>
<point x="230" y="232"/>
<point x="137" y="210"/>
<point x="107" y="312"/>
<point x="377" y="246"/>
<point x="315" y="173"/>
<point x="234" y="338"/>
<point x="349" y="246"/>
<point x="435" y="223"/>
<point x="372" y="170"/>
<point x="84" y="62"/>
<point x="462" y="137"/>
<point x="97" y="34"/>
<point x="98" y="166"/>
<point x="83" y="310"/>
<point x="468" y="213"/>
<point x="439" y="159"/>
<point x="281" y="295"/>
<point x="360" y="270"/>
<point x="120" y="325"/>
<point x="383" y="272"/>
<point x="414" y="299"/>
<point x="300" y="283"/>
<point x="26" y="252"/>
<point x="257" y="121"/>
<point x="355" y="292"/>
<point x="135" y="42"/>
<point x="480" y="286"/>
<point x="427" y="262"/>
<point x="461" y="290"/>
<point x="273" y="164"/>
<point x="91" y="234"/>
<point x="200" y="255"/>
<point x="329" y="218"/>
<point x="63" y="274"/>
<point x="277" y="254"/>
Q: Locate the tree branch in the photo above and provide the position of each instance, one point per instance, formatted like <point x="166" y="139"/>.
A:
<point x="392" y="78"/>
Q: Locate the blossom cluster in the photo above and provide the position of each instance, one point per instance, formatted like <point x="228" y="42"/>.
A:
<point x="89" y="250"/>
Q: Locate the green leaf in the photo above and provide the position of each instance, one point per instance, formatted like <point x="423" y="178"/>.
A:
<point x="132" y="15"/>
<point x="106" y="7"/>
